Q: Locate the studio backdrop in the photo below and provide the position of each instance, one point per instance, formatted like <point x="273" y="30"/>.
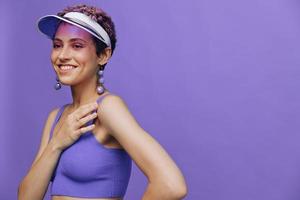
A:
<point x="215" y="82"/>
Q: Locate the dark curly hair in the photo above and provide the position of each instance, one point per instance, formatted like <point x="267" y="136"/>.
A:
<point x="100" y="17"/>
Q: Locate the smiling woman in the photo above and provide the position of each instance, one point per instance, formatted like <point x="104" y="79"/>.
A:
<point x="87" y="146"/>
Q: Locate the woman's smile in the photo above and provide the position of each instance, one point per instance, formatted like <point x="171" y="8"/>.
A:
<point x="63" y="69"/>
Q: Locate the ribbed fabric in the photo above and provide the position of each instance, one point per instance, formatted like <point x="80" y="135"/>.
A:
<point x="88" y="169"/>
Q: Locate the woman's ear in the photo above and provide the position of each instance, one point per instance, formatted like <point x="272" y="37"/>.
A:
<point x="105" y="56"/>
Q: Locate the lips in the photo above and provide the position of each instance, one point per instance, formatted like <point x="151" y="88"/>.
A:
<point x="66" y="67"/>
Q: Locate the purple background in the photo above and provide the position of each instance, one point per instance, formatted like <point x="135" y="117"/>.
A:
<point x="215" y="82"/>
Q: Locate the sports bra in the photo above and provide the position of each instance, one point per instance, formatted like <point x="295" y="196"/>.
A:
<point x="88" y="169"/>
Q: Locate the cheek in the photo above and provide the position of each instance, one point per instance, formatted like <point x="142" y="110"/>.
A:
<point x="85" y="57"/>
<point x="53" y="56"/>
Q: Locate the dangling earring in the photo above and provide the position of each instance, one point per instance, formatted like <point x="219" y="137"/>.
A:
<point x="57" y="84"/>
<point x="100" y="88"/>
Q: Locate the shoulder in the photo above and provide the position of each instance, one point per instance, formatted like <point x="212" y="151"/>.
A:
<point x="53" y="111"/>
<point x="50" y="121"/>
<point x="52" y="114"/>
<point x="115" y="116"/>
<point x="111" y="101"/>
<point x="112" y="107"/>
<point x="112" y="98"/>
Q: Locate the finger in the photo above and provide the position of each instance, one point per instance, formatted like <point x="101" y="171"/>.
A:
<point x="85" y="119"/>
<point x="82" y="130"/>
<point x="84" y="110"/>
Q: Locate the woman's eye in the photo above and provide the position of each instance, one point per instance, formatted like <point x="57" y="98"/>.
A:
<point x="56" y="46"/>
<point x="77" y="46"/>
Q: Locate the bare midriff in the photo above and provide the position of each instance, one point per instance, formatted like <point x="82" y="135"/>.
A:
<point x="76" y="198"/>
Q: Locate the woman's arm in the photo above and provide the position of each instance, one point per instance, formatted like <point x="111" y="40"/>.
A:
<point x="166" y="182"/>
<point x="34" y="185"/>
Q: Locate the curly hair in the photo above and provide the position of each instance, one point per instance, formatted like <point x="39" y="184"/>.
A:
<point x="100" y="17"/>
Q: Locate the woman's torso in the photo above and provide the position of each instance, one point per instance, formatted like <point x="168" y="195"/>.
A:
<point x="102" y="136"/>
<point x="75" y="198"/>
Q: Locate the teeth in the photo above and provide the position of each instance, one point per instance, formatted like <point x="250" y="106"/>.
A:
<point x="66" y="67"/>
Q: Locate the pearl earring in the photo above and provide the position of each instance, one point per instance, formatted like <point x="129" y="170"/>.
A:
<point x="100" y="88"/>
<point x="57" y="84"/>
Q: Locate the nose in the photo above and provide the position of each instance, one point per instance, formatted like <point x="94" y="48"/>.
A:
<point x="64" y="54"/>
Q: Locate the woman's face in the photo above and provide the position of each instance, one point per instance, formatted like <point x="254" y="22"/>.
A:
<point x="73" y="55"/>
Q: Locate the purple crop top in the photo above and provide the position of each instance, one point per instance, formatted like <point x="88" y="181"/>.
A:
<point x="88" y="169"/>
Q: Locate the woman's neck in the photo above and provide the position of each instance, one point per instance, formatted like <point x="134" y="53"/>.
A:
<point x="84" y="94"/>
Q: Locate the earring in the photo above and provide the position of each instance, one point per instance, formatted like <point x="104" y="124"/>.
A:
<point x="100" y="88"/>
<point x="57" y="85"/>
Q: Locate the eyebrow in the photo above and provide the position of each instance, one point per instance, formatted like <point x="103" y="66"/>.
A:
<point x="71" y="40"/>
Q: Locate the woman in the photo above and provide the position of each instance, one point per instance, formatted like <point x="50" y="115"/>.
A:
<point x="87" y="146"/>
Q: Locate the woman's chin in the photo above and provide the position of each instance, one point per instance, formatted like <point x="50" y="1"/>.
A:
<point x="66" y="82"/>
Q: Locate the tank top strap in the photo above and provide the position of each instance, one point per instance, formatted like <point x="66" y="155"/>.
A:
<point x="101" y="97"/>
<point x="98" y="101"/>
<point x="57" y="117"/>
